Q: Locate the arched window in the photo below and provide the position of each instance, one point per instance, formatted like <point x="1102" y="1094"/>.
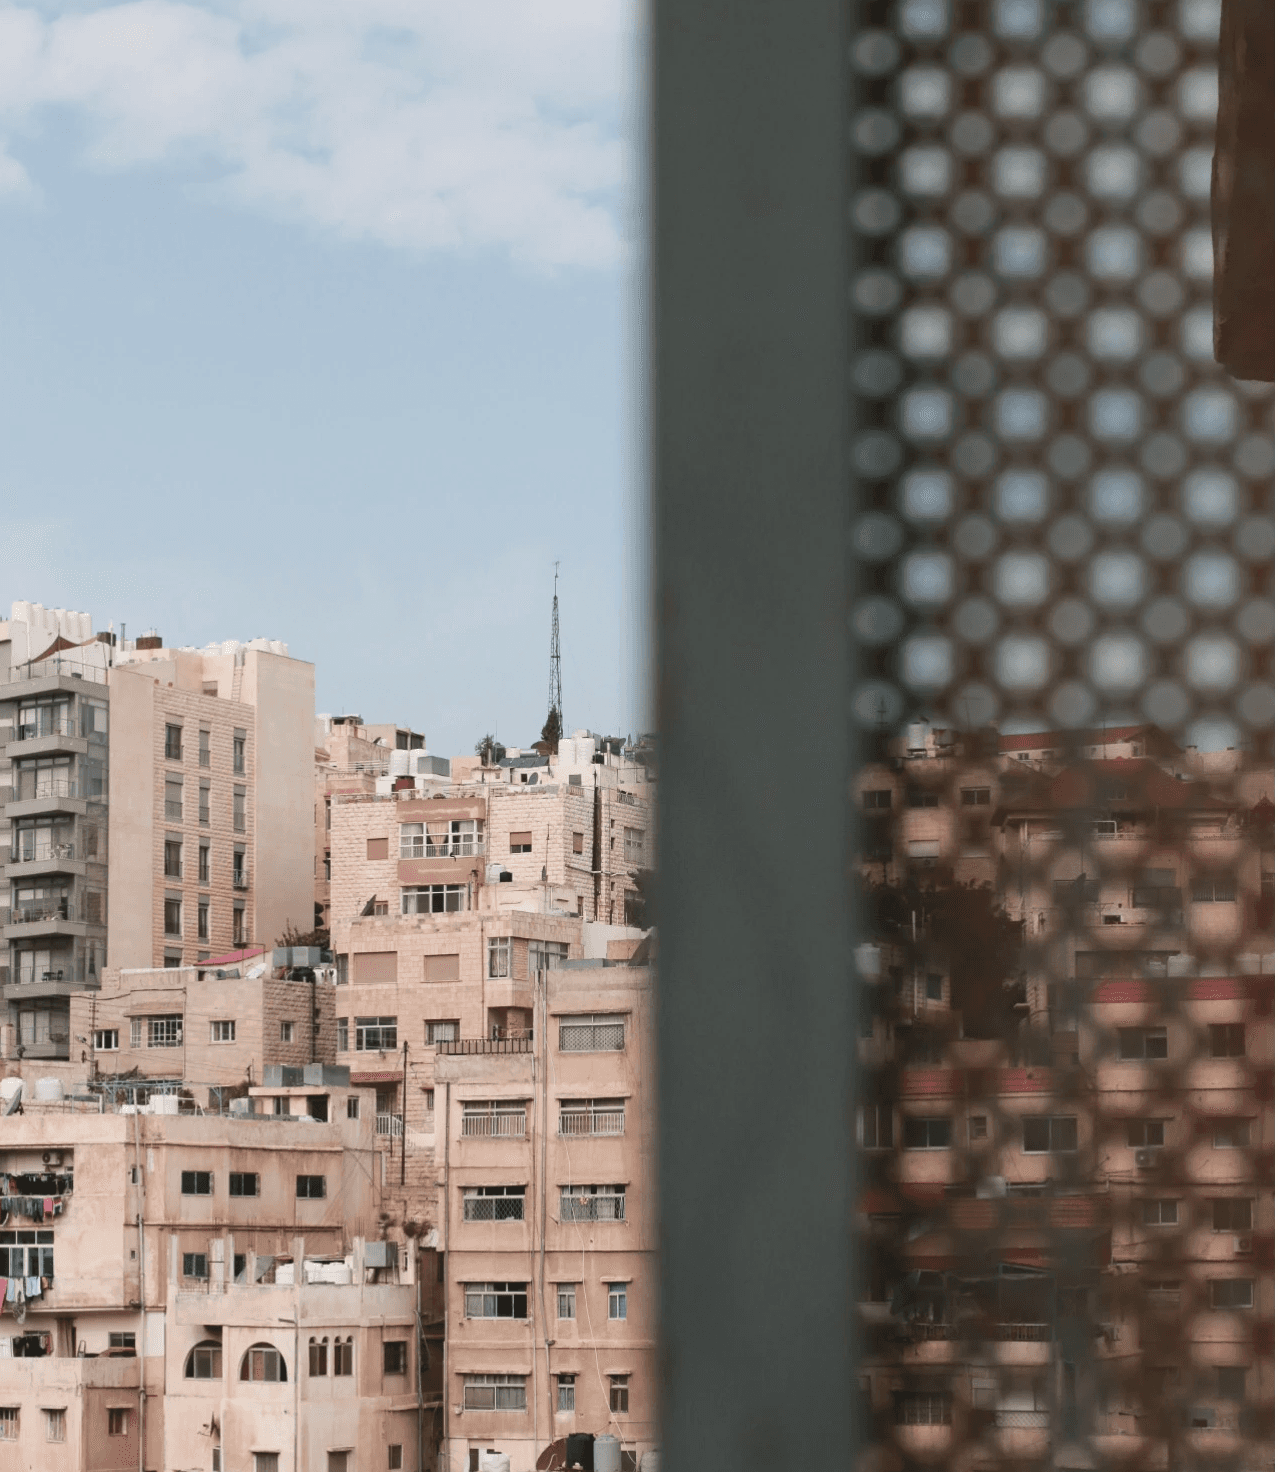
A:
<point x="205" y="1361"/>
<point x="343" y="1356"/>
<point x="263" y="1362"/>
<point x="319" y="1356"/>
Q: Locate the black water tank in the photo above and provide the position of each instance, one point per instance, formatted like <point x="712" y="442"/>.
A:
<point x="581" y="1451"/>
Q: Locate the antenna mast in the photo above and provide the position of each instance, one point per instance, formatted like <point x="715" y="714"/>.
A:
<point x="556" y="698"/>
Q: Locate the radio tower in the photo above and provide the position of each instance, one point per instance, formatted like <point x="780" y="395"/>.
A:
<point x="554" y="727"/>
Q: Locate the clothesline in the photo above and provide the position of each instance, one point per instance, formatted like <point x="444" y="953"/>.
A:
<point x="34" y="1208"/>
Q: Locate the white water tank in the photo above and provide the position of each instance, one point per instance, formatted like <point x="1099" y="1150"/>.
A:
<point x="10" y="1093"/>
<point x="48" y="1090"/>
<point x="399" y="763"/>
<point x="607" y="1454"/>
<point x="650" y="1461"/>
<point x="494" y="1462"/>
<point x="164" y="1104"/>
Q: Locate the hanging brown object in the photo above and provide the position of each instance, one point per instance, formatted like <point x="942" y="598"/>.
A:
<point x="1242" y="192"/>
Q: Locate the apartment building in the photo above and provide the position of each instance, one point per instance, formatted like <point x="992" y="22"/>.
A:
<point x="203" y="1291"/>
<point x="547" y="1221"/>
<point x="1065" y="1203"/>
<point x="154" y="806"/>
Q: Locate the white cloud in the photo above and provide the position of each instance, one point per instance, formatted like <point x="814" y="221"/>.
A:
<point x="461" y="126"/>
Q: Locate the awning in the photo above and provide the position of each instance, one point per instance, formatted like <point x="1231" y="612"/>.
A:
<point x="232" y="958"/>
<point x="377" y="1078"/>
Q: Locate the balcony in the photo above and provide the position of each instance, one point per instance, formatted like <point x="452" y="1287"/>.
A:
<point x="52" y="676"/>
<point x="502" y="1124"/>
<point x="579" y="1122"/>
<point x="458" y="849"/>
<point x="56" y="795"/>
<point x="1022" y="1333"/>
<point x="57" y="981"/>
<point x="390" y="1126"/>
<point x="46" y="737"/>
<point x="466" y="1047"/>
<point x="239" y="879"/>
<point x="45" y="858"/>
<point x="48" y="917"/>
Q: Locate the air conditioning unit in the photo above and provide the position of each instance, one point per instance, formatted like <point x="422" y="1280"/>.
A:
<point x="1242" y="1246"/>
<point x="52" y="1157"/>
<point x="1146" y="1159"/>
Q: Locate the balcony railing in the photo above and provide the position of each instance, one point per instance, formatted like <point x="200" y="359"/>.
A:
<point x="1022" y="1420"/>
<point x="505" y="1124"/>
<point x="574" y="1122"/>
<point x="50" y="787"/>
<point x="40" y="669"/>
<point x="44" y="726"/>
<point x="461" y="848"/>
<point x="463" y="1047"/>
<point x="239" y="879"/>
<point x="38" y="978"/>
<point x="35" y="914"/>
<point x="599" y="1208"/>
<point x="41" y="853"/>
<point x="1023" y="1333"/>
<point x="390" y="1125"/>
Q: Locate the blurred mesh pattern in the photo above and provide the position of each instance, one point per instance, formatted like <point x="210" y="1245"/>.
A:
<point x="1064" y="616"/>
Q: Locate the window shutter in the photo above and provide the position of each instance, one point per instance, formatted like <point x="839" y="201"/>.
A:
<point x="376" y="966"/>
<point x="378" y="848"/>
<point x="441" y="968"/>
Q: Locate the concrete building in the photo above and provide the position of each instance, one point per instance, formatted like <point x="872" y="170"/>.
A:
<point x="546" y="1165"/>
<point x="155" y="806"/>
<point x="208" y="1292"/>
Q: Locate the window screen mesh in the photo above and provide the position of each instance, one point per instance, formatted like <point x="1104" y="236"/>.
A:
<point x="1063" y="618"/>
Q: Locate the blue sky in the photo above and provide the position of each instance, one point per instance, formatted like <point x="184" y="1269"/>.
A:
<point x="318" y="325"/>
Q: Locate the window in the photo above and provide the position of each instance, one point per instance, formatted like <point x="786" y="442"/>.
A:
<point x="441" y="967"/>
<point x="925" y="1134"/>
<point x="499" y="957"/>
<point x="318" y="1357"/>
<point x="173" y="858"/>
<point x="376" y="1034"/>
<point x="619" y="1394"/>
<point x="978" y="1127"/>
<point x="1231" y="1134"/>
<point x="237" y="810"/>
<point x="1143" y="1133"/>
<point x="8" y="1423"/>
<point x="567" y="1397"/>
<point x="55" y="1425"/>
<point x="239" y="871"/>
<point x="26" y="1254"/>
<point x="172" y="915"/>
<point x="204" y="803"/>
<point x="1142" y="1043"/>
<point x="244" y="1183"/>
<point x="197" y="1183"/>
<point x="343" y="1356"/>
<point x="205" y="1360"/>
<point x="238" y="743"/>
<point x="1228" y="1040"/>
<point x="592" y="1203"/>
<point x="432" y="899"/>
<point x="221" y="1032"/>
<point x="918" y="797"/>
<point x="496" y="1300"/>
<point x="430" y="1103"/>
<point x="395" y="1357"/>
<point x="1213" y="888"/>
<point x="934" y="985"/>
<point x="395" y="1455"/>
<point x="546" y="955"/>
<point x="1231" y="1214"/>
<point x="494" y="1118"/>
<point x="202" y="920"/>
<point x="521" y="843"/>
<point x="173" y="799"/>
<point x="195" y="1265"/>
<point x="205" y="758"/>
<point x="632" y="843"/>
<point x="922" y="1408"/>
<point x="173" y="743"/>
<point x="1159" y="1213"/>
<point x="1045" y="1134"/>
<point x="1232" y="1292"/>
<point x="495" y="1393"/>
<point x="442" y="1032"/>
<point x="877" y="798"/>
<point x="974" y="797"/>
<point x="107" y="1039"/>
<point x="266" y="1461"/>
<point x="600" y="1033"/>
<point x="311" y="1188"/>
<point x="578" y="843"/>
<point x="616" y="1300"/>
<point x="592" y="1117"/>
<point x="352" y="1107"/>
<point x="263" y="1363"/>
<point x="567" y="1301"/>
<point x="117" y="1421"/>
<point x="286" y="1032"/>
<point x="126" y="1343"/>
<point x="493" y="1204"/>
<point x="162" y="1032"/>
<point x="343" y="1035"/>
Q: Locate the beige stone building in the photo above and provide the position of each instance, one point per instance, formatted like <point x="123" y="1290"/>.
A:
<point x="155" y="807"/>
<point x="546" y="1167"/>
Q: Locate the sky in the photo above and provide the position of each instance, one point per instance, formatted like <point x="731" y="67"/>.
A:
<point x="318" y="323"/>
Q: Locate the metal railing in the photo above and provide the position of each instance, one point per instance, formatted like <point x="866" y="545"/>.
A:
<point x="598" y="1208"/>
<point x="34" y="730"/>
<point x="239" y="879"/>
<point x="503" y="1124"/>
<point x="42" y="854"/>
<point x="592" y="1122"/>
<point x="390" y="1125"/>
<point x="462" y="1047"/>
<point x="1022" y="1420"/>
<point x="1023" y="1333"/>
<point x="51" y="787"/>
<point x="40" y="669"/>
<point x="461" y="849"/>
<point x="34" y="914"/>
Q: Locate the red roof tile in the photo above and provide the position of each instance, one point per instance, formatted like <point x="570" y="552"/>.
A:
<point x="1023" y="1081"/>
<point x="921" y="1081"/>
<point x="1056" y="740"/>
<point x="1123" y="991"/>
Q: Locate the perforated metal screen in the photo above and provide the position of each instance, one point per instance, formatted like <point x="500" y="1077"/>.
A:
<point x="1063" y="546"/>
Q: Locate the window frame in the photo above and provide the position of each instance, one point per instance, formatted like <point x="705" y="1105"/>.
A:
<point x="394" y="1357"/>
<point x="212" y="1352"/>
<point x="938" y="1124"/>
<point x="196" y="1179"/>
<point x="1053" y="1121"/>
<point x="310" y="1194"/>
<point x="265" y="1355"/>
<point x="239" y="1178"/>
<point x="617" y="1302"/>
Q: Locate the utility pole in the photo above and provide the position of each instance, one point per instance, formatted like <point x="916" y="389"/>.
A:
<point x="556" y="697"/>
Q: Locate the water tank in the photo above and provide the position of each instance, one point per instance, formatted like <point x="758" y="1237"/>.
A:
<point x="10" y="1094"/>
<point x="164" y="1104"/>
<point x="580" y="1450"/>
<point x="916" y="736"/>
<point x="494" y="1462"/>
<point x="48" y="1090"/>
<point x="650" y="1461"/>
<point x="399" y="763"/>
<point x="607" y="1454"/>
